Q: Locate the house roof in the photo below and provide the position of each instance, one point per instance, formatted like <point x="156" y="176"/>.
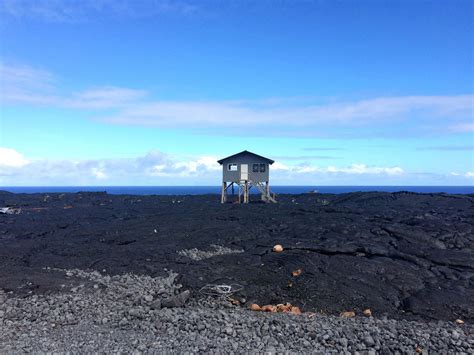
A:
<point x="245" y="152"/>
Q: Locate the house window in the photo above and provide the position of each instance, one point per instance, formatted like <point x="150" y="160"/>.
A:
<point x="262" y="168"/>
<point x="232" y="167"/>
<point x="255" y="168"/>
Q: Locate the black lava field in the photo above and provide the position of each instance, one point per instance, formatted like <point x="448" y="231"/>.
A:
<point x="403" y="255"/>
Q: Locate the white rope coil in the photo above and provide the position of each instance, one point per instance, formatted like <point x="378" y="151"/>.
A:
<point x="220" y="290"/>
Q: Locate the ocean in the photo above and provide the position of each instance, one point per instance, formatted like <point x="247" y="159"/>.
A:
<point x="199" y="190"/>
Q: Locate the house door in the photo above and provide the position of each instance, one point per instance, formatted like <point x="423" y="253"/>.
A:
<point x="244" y="171"/>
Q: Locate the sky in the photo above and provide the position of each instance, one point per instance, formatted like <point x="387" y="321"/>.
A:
<point x="135" y="92"/>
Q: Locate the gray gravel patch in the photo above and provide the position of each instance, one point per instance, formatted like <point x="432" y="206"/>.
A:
<point x="124" y="314"/>
<point x="197" y="254"/>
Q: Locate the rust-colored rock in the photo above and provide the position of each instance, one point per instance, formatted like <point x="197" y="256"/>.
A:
<point x="295" y="310"/>
<point x="269" y="308"/>
<point x="255" y="307"/>
<point x="367" y="312"/>
<point x="297" y="273"/>
<point x="280" y="308"/>
<point x="284" y="307"/>
<point x="348" y="314"/>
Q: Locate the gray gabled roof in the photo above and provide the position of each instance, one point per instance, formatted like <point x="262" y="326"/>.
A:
<point x="245" y="152"/>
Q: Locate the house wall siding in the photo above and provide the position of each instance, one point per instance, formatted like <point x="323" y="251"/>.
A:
<point x="234" y="176"/>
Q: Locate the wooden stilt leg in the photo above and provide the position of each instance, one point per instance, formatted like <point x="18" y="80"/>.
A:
<point x="267" y="190"/>
<point x="246" y="192"/>
<point x="223" y="192"/>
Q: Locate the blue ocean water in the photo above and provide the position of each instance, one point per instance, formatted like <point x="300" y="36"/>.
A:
<point x="198" y="190"/>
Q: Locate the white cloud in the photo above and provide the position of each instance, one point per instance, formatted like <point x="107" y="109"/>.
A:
<point x="103" y="98"/>
<point x="355" y="169"/>
<point x="26" y="85"/>
<point x="59" y="11"/>
<point x="206" y="163"/>
<point x="10" y="158"/>
<point x="26" y="77"/>
<point x="158" y="168"/>
<point x="468" y="174"/>
<point x="99" y="173"/>
<point x="145" y="169"/>
<point x="187" y="168"/>
<point x="247" y="114"/>
<point x="383" y="116"/>
<point x="463" y="127"/>
<point x="280" y="166"/>
<point x="448" y="148"/>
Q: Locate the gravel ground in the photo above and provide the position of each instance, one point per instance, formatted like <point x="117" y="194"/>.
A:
<point x="131" y="313"/>
<point x="404" y="255"/>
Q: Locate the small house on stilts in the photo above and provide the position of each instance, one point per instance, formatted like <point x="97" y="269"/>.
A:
<point x="246" y="170"/>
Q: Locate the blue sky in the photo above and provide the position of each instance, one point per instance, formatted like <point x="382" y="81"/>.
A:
<point x="154" y="92"/>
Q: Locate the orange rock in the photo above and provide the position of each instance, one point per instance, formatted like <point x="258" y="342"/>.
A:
<point x="284" y="308"/>
<point x="255" y="307"/>
<point x="278" y="248"/>
<point x="233" y="301"/>
<point x="269" y="308"/>
<point x="281" y="307"/>
<point x="297" y="273"/>
<point x="419" y="350"/>
<point x="295" y="310"/>
<point x="348" y="314"/>
<point x="367" y="312"/>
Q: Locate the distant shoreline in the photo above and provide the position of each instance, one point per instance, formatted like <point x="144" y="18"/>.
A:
<point x="205" y="190"/>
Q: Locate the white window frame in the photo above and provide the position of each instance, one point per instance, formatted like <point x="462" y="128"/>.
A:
<point x="232" y="164"/>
